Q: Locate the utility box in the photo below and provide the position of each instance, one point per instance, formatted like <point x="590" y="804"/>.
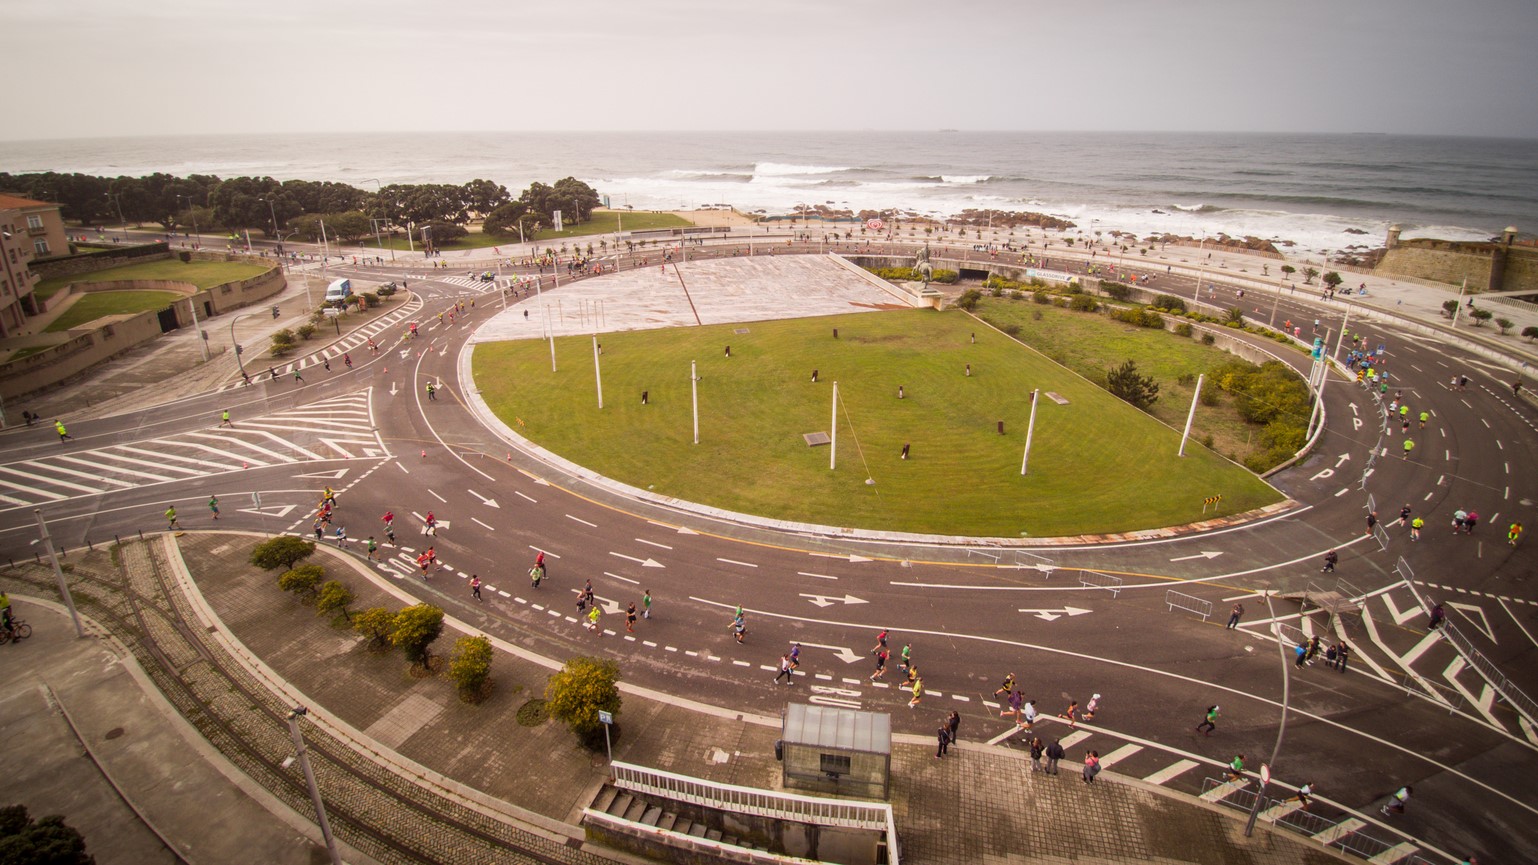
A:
<point x="832" y="750"/>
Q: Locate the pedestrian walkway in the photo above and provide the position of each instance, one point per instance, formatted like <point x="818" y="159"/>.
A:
<point x="339" y="428"/>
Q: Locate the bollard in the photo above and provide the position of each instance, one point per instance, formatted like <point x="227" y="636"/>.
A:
<point x="141" y="534"/>
<point x="728" y="351"/>
<point x="835" y="333"/>
<point x="1001" y="427"/>
<point x="117" y="540"/>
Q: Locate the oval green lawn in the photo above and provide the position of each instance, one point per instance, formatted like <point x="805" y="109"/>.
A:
<point x="1097" y="465"/>
<point x="99" y="303"/>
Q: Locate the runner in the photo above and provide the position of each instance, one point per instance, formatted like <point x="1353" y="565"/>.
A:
<point x="739" y="628"/>
<point x="1007" y="686"/>
<point x="1071" y="714"/>
<point x="432" y="392"/>
<point x="1029" y="711"/>
<point x="430" y="524"/>
<point x="881" y="656"/>
<point x="630" y="618"/>
<point x="1514" y="533"/>
<point x="795" y="656"/>
<point x="785" y="669"/>
<point x="1092" y="708"/>
<point x="880" y="638"/>
<point x="475" y="587"/>
<point x="224" y="419"/>
<point x="58" y="427"/>
<point x="1415" y="528"/>
<point x="537" y="573"/>
<point x="1210" y="721"/>
<point x="1331" y="558"/>
<point x="373" y="549"/>
<point x="592" y="620"/>
<point x="918" y="692"/>
<point x="425" y="561"/>
<point x="646" y="604"/>
<point x="1404" y="515"/>
<point x="1016" y="705"/>
<point x="170" y="518"/>
<point x="213" y="505"/>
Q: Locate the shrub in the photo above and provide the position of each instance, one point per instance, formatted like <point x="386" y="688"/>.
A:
<point x="1208" y="339"/>
<point x="1211" y="395"/>
<point x="996" y="291"/>
<point x="302" y="581"/>
<point x="305" y="331"/>
<point x="1450" y="307"/>
<point x="333" y="596"/>
<point x="1011" y="329"/>
<point x="282" y="342"/>
<point x="1505" y="324"/>
<point x="1016" y="294"/>
<point x="1481" y="316"/>
<point x="1183" y="329"/>
<point x="1235" y="315"/>
<point x="281" y="552"/>
<point x="1530" y="332"/>
<point x="1116" y="290"/>
<point x="1041" y="297"/>
<point x="49" y="840"/>
<point x="376" y="624"/>
<point x="416" y="627"/>
<point x="576" y="693"/>
<point x="1083" y="303"/>
<point x="969" y="299"/>
<point x="945" y="277"/>
<point x="470" y="667"/>
<point x="1125" y="382"/>
<point x="370" y="297"/>
<point x="1170" y="302"/>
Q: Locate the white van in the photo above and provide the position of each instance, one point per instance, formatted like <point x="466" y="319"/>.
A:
<point x="338" y="291"/>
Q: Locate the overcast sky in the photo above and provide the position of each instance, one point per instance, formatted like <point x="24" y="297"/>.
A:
<point x="115" y="67"/>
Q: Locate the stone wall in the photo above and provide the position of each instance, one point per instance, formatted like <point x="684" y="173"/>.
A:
<point x="78" y="351"/>
<point x="1451" y="266"/>
<point x="86" y="262"/>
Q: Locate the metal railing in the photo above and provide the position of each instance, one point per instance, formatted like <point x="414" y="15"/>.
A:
<point x="1356" y="842"/>
<point x="875" y="816"/>
<point x="1190" y="603"/>
<point x="1515" y="696"/>
<point x="1097" y="580"/>
<point x="1419" y="686"/>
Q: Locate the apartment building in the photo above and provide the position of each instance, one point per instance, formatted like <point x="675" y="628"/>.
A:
<point x="28" y="230"/>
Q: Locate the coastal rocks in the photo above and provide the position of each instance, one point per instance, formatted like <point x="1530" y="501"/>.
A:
<point x="1010" y="219"/>
<point x="1354" y="231"/>
<point x="1223" y="241"/>
<point x="1359" y="256"/>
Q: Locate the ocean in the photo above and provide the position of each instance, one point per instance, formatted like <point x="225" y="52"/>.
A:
<point x="1315" y="191"/>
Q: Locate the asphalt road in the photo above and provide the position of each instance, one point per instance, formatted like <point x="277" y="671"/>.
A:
<point x="971" y="614"/>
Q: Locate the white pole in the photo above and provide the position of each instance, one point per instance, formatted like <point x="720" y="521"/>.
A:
<point x="1191" y="415"/>
<point x="597" y="373"/>
<point x="1030" y="429"/>
<point x="192" y="305"/>
<point x="58" y="572"/>
<point x="694" y="394"/>
<point x="550" y="329"/>
<point x="1319" y="403"/>
<point x="1459" y="309"/>
<point x="833" y="436"/>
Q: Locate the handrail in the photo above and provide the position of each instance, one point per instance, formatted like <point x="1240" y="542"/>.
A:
<point x="876" y="816"/>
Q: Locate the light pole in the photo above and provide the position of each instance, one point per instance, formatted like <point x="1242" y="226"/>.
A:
<point x="193" y="213"/>
<point x="238" y="360"/>
<point x="117" y="199"/>
<point x="309" y="780"/>
<point x="379" y="191"/>
<point x="273" y="213"/>
<point x="1281" y="728"/>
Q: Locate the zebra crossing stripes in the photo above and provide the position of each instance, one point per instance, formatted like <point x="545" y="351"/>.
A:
<point x="339" y="428"/>
<point x="355" y="340"/>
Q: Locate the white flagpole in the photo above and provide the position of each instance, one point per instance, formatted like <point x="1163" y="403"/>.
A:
<point x="1030" y="429"/>
<point x="1191" y="416"/>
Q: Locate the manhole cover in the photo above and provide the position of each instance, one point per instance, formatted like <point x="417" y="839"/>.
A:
<point x="113" y="733"/>
<point x="740" y="330"/>
<point x="816" y="438"/>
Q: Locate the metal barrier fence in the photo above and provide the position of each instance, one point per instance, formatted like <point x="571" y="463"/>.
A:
<point x="1190" y="603"/>
<point x="1515" y="696"/>
<point x="1356" y="842"/>
<point x="1349" y="590"/>
<point x="1420" y="686"/>
<point x="1097" y="580"/>
<point x="993" y="557"/>
<point x="1380" y="536"/>
<point x="1289" y="634"/>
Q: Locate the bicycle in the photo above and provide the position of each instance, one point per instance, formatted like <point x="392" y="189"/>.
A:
<point x="18" y="631"/>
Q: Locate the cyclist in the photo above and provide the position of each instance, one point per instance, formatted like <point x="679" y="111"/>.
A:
<point x="5" y="610"/>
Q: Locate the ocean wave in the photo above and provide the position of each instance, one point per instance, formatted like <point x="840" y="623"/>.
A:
<point x="781" y="169"/>
<point x="1195" y="208"/>
<point x="701" y="174"/>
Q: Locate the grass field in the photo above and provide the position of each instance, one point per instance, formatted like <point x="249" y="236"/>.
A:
<point x="1097" y="464"/>
<point x="99" y="303"/>
<point x="203" y="274"/>
<point x="1089" y="344"/>
<point x="603" y="222"/>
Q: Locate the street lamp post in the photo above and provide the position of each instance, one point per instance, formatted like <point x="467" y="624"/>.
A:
<point x="238" y="350"/>
<point x="379" y="190"/>
<point x="197" y="235"/>
<point x="117" y="199"/>
<point x="309" y="779"/>
<point x="1281" y="728"/>
<point x="274" y="215"/>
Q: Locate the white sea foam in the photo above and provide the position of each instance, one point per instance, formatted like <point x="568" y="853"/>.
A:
<point x="776" y="169"/>
<point x="966" y="178"/>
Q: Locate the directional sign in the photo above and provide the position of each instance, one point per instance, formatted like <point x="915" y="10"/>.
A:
<point x="843" y="653"/>
<point x="1204" y="554"/>
<point x="1053" y="614"/>
<point x="645" y="563"/>
<point x="830" y="600"/>
<point x="484" y="500"/>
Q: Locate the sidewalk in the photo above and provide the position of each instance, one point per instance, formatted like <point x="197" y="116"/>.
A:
<point x="88" y="736"/>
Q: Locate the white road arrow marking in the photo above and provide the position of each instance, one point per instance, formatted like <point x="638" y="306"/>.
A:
<point x="645" y="563"/>
<point x="1050" y="615"/>
<point x="843" y="653"/>
<point x="1343" y="459"/>
<point x="484" y="500"/>
<point x="1483" y="623"/>
<point x="851" y="557"/>
<point x="679" y="529"/>
<point x="1400" y="618"/>
<point x="393" y="389"/>
<point x="830" y="600"/>
<point x="1204" y="554"/>
<point x="270" y="510"/>
<point x="1353" y="409"/>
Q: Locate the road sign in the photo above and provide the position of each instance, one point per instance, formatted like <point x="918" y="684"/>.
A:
<point x="1265" y="774"/>
<point x="605" y="717"/>
<point x="256" y="500"/>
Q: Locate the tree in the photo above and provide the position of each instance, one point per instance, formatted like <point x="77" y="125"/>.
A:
<point x="1128" y="384"/>
<point x="333" y="596"/>
<point x="1288" y="270"/>
<point x="376" y="624"/>
<point x="575" y="199"/>
<point x="1332" y="279"/>
<point x="443" y="232"/>
<point x="575" y="694"/>
<point x="470" y="667"/>
<point x="281" y="552"/>
<point x="302" y="581"/>
<point x="415" y="629"/>
<point x="1450" y="308"/>
<point x="1236" y="315"/>
<point x="969" y="299"/>
<point x="282" y="342"/>
<point x="1308" y="275"/>
<point x="49" y="841"/>
<point x="483" y="196"/>
<point x="1505" y="324"/>
<point x="503" y="221"/>
<point x="1531" y="331"/>
<point x="1481" y="316"/>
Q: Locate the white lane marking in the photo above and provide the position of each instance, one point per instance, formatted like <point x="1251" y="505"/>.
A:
<point x="1499" y="445"/>
<point x="401" y="467"/>
<point x="735" y="562"/>
<point x="1005" y="735"/>
<point x="483" y="525"/>
<point x="1485" y="422"/>
<point x="1179" y="767"/>
<point x="652" y="543"/>
<point x="1120" y="754"/>
<point x="1074" y="738"/>
<point x="582" y="521"/>
<point x="438" y="497"/>
<point x="90" y="477"/>
<point x="526" y="498"/>
<point x="626" y="579"/>
<point x="818" y="576"/>
<point x="53" y="481"/>
<point x="1189" y="680"/>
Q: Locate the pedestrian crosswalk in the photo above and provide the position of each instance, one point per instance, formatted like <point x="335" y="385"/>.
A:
<point x="355" y="342"/>
<point x="339" y="428"/>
